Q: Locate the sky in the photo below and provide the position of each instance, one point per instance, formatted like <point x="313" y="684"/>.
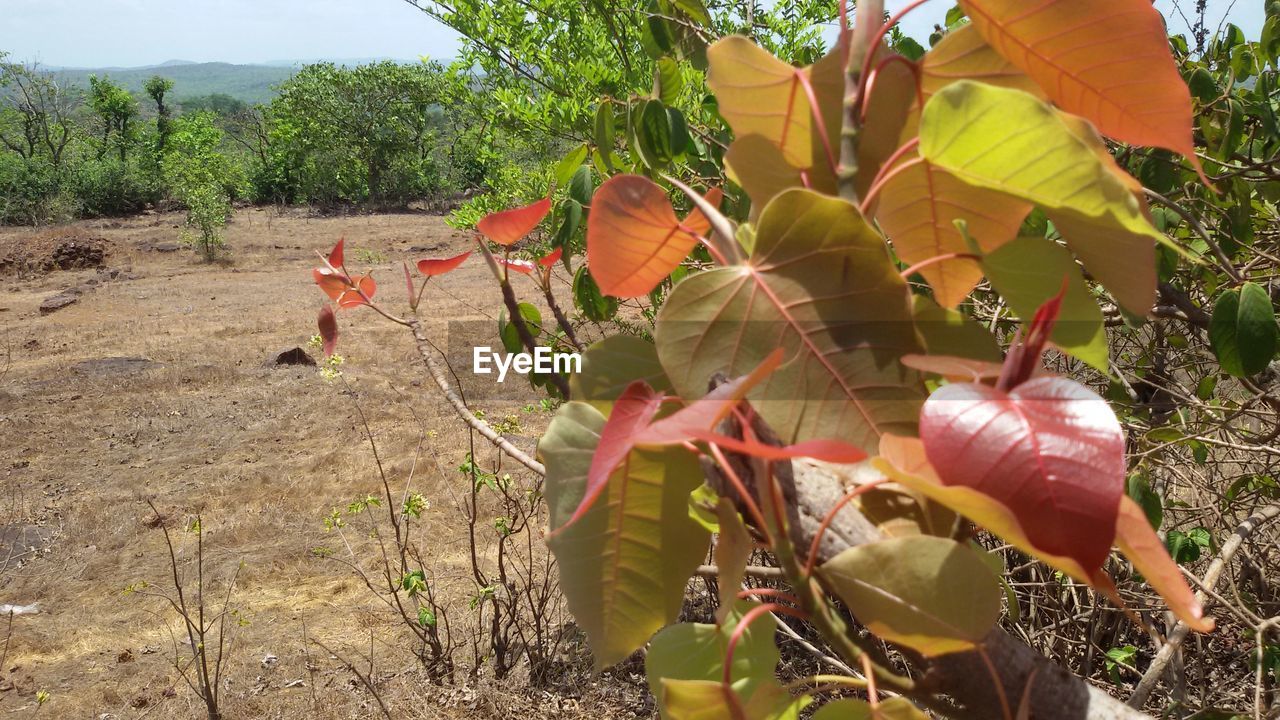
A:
<point x="131" y="33"/>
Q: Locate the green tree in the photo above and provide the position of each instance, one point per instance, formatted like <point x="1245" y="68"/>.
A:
<point x="202" y="178"/>
<point x="116" y="109"/>
<point x="157" y="87"/>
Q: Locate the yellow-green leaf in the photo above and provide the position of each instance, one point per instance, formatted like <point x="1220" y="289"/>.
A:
<point x="897" y="708"/>
<point x="612" y="364"/>
<point x="927" y="593"/>
<point x="625" y="563"/>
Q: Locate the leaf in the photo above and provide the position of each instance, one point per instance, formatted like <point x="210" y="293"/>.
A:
<point x="432" y="267"/>
<point x="1139" y="489"/>
<point x="1107" y="60"/>
<point x="695" y="651"/>
<point x="633" y="411"/>
<point x="950" y="333"/>
<point x="1139" y="542"/>
<point x="1048" y="159"/>
<point x="963" y="54"/>
<point x="654" y="135"/>
<point x="359" y="292"/>
<point x="732" y="552"/>
<point x="524" y="267"/>
<point x="757" y="165"/>
<point x="569" y="165"/>
<point x="604" y="126"/>
<point x="918" y="209"/>
<point x="336" y="255"/>
<point x="328" y="323"/>
<point x="634" y="240"/>
<point x="581" y="186"/>
<point x="761" y="95"/>
<point x="612" y="364"/>
<point x="586" y="295"/>
<point x="890" y="105"/>
<point x="551" y="258"/>
<point x="930" y="594"/>
<point x="819" y="285"/>
<point x="703" y="414"/>
<point x="1243" y="330"/>
<point x="510" y="335"/>
<point x="896" y="708"/>
<point x="511" y="226"/>
<point x="712" y="700"/>
<point x="624" y="565"/>
<point x="1050" y="450"/>
<point x="668" y="80"/>
<point x="1029" y="272"/>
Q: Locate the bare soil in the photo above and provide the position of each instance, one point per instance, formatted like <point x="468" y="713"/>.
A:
<point x="152" y="385"/>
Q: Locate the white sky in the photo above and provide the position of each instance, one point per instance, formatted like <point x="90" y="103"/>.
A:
<point x="99" y="33"/>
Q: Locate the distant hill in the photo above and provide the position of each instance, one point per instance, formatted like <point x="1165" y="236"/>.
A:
<point x="250" y="83"/>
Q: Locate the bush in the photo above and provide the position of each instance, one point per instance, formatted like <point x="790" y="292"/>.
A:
<point x="31" y="192"/>
<point x="202" y="179"/>
<point x="111" y="186"/>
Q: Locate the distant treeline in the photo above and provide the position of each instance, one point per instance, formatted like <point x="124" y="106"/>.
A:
<point x="383" y="134"/>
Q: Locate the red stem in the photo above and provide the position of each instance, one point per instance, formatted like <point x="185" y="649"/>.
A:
<point x="831" y="516"/>
<point x="874" y="47"/>
<point x="816" y="112"/>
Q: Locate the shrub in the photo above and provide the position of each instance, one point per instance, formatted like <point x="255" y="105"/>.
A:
<point x="203" y="179"/>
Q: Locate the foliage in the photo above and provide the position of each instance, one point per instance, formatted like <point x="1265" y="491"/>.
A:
<point x="891" y="217"/>
<point x="202" y="178"/>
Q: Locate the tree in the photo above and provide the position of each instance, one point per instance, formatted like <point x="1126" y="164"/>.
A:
<point x="157" y="87"/>
<point x="202" y="178"/>
<point x="36" y="118"/>
<point x="116" y="110"/>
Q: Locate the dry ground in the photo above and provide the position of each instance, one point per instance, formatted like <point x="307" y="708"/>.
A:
<point x="198" y="424"/>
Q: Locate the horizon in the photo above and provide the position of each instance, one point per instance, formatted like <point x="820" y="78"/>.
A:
<point x="115" y="34"/>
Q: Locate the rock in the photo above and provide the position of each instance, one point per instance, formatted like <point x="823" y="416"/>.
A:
<point x="57" y="302"/>
<point x="292" y="356"/>
<point x="166" y="247"/>
<point x="73" y="254"/>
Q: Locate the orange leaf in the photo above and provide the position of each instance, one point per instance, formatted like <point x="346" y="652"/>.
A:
<point x="336" y="255"/>
<point x="353" y="297"/>
<point x="330" y="282"/>
<point x="964" y="55"/>
<point x="697" y="223"/>
<point x="762" y="95"/>
<point x="634" y="239"/>
<point x="511" y="226"/>
<point x="918" y="207"/>
<point x="432" y="267"/>
<point x="524" y="267"/>
<point x="551" y="258"/>
<point x="1144" y="549"/>
<point x="1107" y="60"/>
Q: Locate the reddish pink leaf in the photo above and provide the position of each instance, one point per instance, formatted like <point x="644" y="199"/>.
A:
<point x="633" y="410"/>
<point x="328" y="323"/>
<point x="510" y="226"/>
<point x="524" y="267"/>
<point x="1050" y="450"/>
<point x="408" y="281"/>
<point x="1023" y="360"/>
<point x="832" y="451"/>
<point x="330" y="282"/>
<point x="551" y="258"/>
<point x="336" y="255"/>
<point x="432" y="267"/>
<point x="353" y="297"/>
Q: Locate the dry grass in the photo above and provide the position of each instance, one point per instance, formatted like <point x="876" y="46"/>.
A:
<point x="262" y="453"/>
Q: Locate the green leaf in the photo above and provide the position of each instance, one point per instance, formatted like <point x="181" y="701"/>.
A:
<point x="1243" y="331"/>
<point x="605" y="133"/>
<point x="612" y="364"/>
<point x="511" y="336"/>
<point x="1028" y="272"/>
<point x="892" y="709"/>
<point x="668" y="80"/>
<point x="582" y="185"/>
<point x="1140" y="490"/>
<point x="733" y="551"/>
<point x="951" y="333"/>
<point x="625" y="563"/>
<point x="654" y="136"/>
<point x="692" y="651"/>
<point x="820" y="285"/>
<point x="1010" y="141"/>
<point x="569" y="226"/>
<point x="570" y="165"/>
<point x="930" y="594"/>
<point x="712" y="700"/>
<point x="587" y="296"/>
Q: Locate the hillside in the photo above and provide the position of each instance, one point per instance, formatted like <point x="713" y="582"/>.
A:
<point x="250" y="83"/>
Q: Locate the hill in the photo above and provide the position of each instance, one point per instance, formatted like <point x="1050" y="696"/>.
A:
<point x="250" y="83"/>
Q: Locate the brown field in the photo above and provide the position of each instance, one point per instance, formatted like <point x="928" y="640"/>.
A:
<point x="194" y="420"/>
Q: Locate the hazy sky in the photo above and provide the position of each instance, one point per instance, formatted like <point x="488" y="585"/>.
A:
<point x="101" y="33"/>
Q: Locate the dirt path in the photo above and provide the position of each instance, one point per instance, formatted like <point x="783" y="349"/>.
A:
<point x="153" y="385"/>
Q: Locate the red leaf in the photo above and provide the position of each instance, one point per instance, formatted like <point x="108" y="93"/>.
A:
<point x="408" y="281"/>
<point x="634" y="239"/>
<point x="705" y="413"/>
<point x="510" y="226"/>
<point x="1050" y="450"/>
<point x="1023" y="360"/>
<point x="633" y="410"/>
<point x="432" y="267"/>
<point x="351" y="297"/>
<point x="336" y="255"/>
<point x="551" y="258"/>
<point x="524" y="267"/>
<point x="328" y="323"/>
<point x="330" y="282"/>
